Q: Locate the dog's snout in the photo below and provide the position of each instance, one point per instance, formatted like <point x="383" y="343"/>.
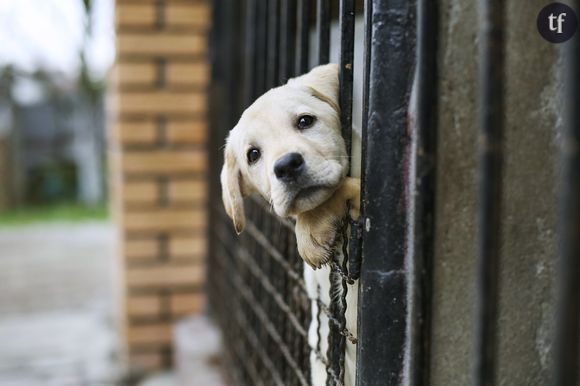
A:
<point x="289" y="167"/>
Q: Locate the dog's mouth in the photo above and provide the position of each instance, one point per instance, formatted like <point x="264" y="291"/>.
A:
<point x="309" y="192"/>
<point x="310" y="197"/>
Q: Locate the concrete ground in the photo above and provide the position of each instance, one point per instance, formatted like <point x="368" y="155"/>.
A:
<point x="57" y="306"/>
<point x="197" y="344"/>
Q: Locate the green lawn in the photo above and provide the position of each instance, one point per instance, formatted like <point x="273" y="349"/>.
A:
<point x="53" y="213"/>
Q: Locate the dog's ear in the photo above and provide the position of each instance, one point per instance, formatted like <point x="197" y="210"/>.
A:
<point x="322" y="81"/>
<point x="232" y="190"/>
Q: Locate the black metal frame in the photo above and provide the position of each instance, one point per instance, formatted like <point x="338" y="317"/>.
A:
<point x="256" y="289"/>
<point x="383" y="273"/>
<point x="401" y="38"/>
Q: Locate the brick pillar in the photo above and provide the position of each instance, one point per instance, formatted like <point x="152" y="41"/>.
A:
<point x="159" y="166"/>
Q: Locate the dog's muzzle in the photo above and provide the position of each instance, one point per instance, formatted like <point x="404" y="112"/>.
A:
<point x="289" y="167"/>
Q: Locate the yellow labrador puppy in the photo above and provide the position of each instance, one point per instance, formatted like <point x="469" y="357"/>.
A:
<point x="288" y="148"/>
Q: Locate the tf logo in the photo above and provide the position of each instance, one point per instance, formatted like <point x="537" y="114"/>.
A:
<point x="557" y="22"/>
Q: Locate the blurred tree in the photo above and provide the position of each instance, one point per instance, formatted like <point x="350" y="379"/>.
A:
<point x="11" y="176"/>
<point x="89" y="147"/>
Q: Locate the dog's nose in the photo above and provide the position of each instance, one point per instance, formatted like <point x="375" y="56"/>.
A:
<point x="289" y="167"/>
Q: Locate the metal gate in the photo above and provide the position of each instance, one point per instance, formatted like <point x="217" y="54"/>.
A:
<point x="257" y="291"/>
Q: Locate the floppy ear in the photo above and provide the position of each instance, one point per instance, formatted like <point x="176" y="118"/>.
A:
<point x="231" y="190"/>
<point x="322" y="81"/>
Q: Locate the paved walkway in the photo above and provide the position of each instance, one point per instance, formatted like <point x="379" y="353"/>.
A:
<point x="57" y="306"/>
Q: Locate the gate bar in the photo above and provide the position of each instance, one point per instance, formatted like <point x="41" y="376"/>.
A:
<point x="566" y="370"/>
<point x="273" y="42"/>
<point x="383" y="296"/>
<point x="338" y="285"/>
<point x="261" y="48"/>
<point x="287" y="40"/>
<point x="216" y="122"/>
<point x="323" y="30"/>
<point x="491" y="122"/>
<point x="346" y="61"/>
<point x="346" y="21"/>
<point x="303" y="43"/>
<point x="251" y="40"/>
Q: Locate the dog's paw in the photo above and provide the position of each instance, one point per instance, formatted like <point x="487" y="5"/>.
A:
<point x="351" y="192"/>
<point x="317" y="230"/>
<point x="316" y="237"/>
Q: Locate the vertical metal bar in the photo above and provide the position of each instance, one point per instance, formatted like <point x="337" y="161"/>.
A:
<point x="233" y="55"/>
<point x="491" y="105"/>
<point x="251" y="38"/>
<point x="355" y="252"/>
<point x="566" y="361"/>
<point x="273" y="42"/>
<point x="240" y="64"/>
<point x="215" y="157"/>
<point x="261" y="48"/>
<point x="347" y="11"/>
<point x="338" y="286"/>
<point x="383" y="296"/>
<point x="323" y="30"/>
<point x="368" y="24"/>
<point x="287" y="40"/>
<point x="303" y="43"/>
<point x="225" y="56"/>
<point x="346" y="21"/>
<point x="425" y="144"/>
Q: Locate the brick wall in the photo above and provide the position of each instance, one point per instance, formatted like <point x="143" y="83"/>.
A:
<point x="159" y="166"/>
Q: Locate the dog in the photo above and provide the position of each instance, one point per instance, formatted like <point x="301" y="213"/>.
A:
<point x="287" y="147"/>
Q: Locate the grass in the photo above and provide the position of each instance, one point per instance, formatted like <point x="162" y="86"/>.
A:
<point x="53" y="213"/>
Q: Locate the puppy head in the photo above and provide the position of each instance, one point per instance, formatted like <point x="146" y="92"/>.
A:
<point x="288" y="147"/>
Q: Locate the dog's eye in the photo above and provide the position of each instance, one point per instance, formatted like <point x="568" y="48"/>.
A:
<point x="305" y="121"/>
<point x="253" y="155"/>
